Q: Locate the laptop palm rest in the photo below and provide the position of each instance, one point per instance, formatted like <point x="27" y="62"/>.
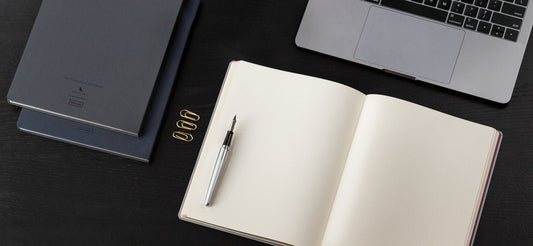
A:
<point x="409" y="45"/>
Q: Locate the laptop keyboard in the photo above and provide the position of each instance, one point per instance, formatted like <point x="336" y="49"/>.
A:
<point x="502" y="19"/>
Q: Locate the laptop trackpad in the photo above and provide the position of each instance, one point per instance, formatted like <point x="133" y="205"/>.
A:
<point x="409" y="45"/>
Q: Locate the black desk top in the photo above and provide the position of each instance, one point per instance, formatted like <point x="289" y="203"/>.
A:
<point x="52" y="193"/>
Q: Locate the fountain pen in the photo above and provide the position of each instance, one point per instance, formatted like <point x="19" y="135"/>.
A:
<point x="219" y="164"/>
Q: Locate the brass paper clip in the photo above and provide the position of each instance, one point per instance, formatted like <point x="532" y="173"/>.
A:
<point x="189" y="115"/>
<point x="187" y="137"/>
<point x="186" y="125"/>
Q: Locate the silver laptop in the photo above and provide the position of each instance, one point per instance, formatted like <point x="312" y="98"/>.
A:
<point x="472" y="46"/>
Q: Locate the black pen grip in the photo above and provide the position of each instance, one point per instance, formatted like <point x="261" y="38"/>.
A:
<point x="227" y="140"/>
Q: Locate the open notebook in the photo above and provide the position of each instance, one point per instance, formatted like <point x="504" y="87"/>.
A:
<point x="315" y="162"/>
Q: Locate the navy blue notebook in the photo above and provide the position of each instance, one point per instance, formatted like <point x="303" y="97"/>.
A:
<point x="137" y="148"/>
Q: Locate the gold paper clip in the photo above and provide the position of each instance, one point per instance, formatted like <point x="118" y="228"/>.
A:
<point x="186" y="125"/>
<point x="187" y="137"/>
<point x="189" y="115"/>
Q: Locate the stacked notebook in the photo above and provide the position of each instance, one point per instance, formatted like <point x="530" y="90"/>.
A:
<point x="99" y="73"/>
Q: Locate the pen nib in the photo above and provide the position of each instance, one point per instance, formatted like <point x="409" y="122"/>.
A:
<point x="233" y="123"/>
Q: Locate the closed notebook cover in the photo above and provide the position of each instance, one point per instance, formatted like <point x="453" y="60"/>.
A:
<point x="138" y="148"/>
<point x="95" y="61"/>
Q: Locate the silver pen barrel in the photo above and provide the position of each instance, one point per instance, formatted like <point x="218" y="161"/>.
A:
<point x="215" y="177"/>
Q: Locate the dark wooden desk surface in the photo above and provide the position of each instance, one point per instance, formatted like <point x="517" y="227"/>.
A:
<point x="52" y="193"/>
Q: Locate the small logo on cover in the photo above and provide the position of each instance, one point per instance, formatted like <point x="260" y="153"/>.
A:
<point x="75" y="103"/>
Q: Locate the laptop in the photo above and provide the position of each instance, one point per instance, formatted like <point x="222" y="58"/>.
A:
<point x="106" y="140"/>
<point x="472" y="46"/>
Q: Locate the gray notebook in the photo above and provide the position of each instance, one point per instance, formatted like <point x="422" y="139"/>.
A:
<point x="95" y="61"/>
<point x="137" y="148"/>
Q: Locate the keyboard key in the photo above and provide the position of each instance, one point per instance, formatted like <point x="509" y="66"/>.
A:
<point x="521" y="2"/>
<point x="511" y="34"/>
<point x="468" y="1"/>
<point x="497" y="31"/>
<point x="458" y="7"/>
<point x="484" y="14"/>
<point x="471" y="11"/>
<point x="470" y="23"/>
<point x="431" y="2"/>
<point x="481" y="3"/>
<point x="484" y="27"/>
<point x="495" y="5"/>
<point x="512" y="9"/>
<point x="444" y="4"/>
<point x="418" y="1"/>
<point x="456" y="19"/>
<point x="417" y="9"/>
<point x="506" y="20"/>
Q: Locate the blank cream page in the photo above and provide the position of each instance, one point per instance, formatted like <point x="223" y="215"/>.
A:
<point x="291" y="141"/>
<point x="414" y="176"/>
